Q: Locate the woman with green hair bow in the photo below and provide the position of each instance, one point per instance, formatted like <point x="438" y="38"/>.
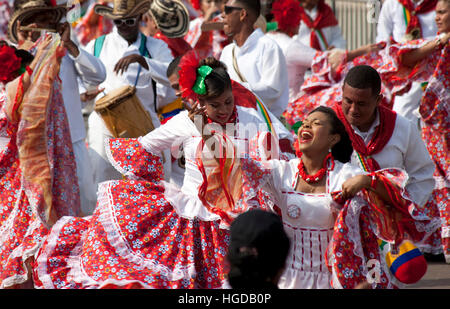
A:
<point x="152" y="234"/>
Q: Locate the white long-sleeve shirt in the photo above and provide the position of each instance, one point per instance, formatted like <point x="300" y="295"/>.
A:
<point x="115" y="48"/>
<point x="405" y="150"/>
<point x="263" y="65"/>
<point x="332" y="34"/>
<point x="92" y="72"/>
<point x="391" y="22"/>
<point x="299" y="58"/>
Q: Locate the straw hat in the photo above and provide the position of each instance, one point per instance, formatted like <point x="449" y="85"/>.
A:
<point x="30" y="8"/>
<point x="172" y="17"/>
<point x="123" y="9"/>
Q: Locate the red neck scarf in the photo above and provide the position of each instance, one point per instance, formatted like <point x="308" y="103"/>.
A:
<point x="412" y="19"/>
<point x="381" y="136"/>
<point x="325" y="18"/>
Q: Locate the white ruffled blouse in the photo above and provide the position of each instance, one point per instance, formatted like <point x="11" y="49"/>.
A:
<point x="308" y="221"/>
<point x="180" y="130"/>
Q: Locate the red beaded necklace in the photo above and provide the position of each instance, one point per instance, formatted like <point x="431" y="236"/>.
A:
<point x="317" y="176"/>
<point x="233" y="118"/>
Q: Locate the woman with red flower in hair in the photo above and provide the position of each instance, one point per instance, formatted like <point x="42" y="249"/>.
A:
<point x="154" y="234"/>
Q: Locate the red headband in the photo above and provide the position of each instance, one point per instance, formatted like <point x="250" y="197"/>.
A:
<point x="286" y="13"/>
<point x="188" y="74"/>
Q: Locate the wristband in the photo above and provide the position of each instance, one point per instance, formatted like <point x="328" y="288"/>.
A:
<point x="29" y="70"/>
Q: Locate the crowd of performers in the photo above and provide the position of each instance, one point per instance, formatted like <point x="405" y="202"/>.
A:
<point x="247" y="111"/>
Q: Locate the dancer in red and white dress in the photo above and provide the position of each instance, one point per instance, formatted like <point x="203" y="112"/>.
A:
<point x="428" y="61"/>
<point x="37" y="164"/>
<point x="324" y="85"/>
<point x="319" y="193"/>
<point x="151" y="234"/>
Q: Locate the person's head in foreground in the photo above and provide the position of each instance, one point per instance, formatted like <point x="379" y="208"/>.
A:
<point x="258" y="250"/>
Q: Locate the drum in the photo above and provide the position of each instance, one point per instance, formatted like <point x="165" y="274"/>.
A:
<point x="123" y="113"/>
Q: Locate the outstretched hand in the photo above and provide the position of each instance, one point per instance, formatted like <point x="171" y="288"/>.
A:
<point x="90" y="95"/>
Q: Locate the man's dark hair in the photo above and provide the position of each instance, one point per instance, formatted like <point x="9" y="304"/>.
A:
<point x="363" y="77"/>
<point x="251" y="5"/>
<point x="173" y="66"/>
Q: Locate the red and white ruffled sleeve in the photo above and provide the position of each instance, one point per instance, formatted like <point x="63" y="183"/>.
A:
<point x="129" y="157"/>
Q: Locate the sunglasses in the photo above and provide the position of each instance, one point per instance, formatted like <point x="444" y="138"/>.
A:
<point x="229" y="9"/>
<point x="129" y="22"/>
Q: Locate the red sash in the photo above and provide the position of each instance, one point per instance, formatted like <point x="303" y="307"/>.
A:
<point x="325" y="18"/>
<point x="380" y="138"/>
<point x="412" y="19"/>
<point x="178" y="46"/>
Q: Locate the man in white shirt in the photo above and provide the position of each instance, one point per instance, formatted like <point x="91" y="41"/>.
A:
<point x="390" y="139"/>
<point x="76" y="64"/>
<point x="259" y="62"/>
<point x="392" y="23"/>
<point x="125" y="65"/>
<point x="383" y="139"/>
<point x="318" y="17"/>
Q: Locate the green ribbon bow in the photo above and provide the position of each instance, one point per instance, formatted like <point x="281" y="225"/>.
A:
<point x="296" y="126"/>
<point x="199" y="86"/>
<point x="21" y="70"/>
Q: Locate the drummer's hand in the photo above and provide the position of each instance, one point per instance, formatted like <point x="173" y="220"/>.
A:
<point x="122" y="65"/>
<point x="90" y="95"/>
<point x="355" y="184"/>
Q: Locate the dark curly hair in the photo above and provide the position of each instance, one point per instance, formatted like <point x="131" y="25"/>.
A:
<point x="343" y="150"/>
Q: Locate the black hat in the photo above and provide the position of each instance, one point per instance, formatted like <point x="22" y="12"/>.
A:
<point x="258" y="229"/>
<point x="32" y="7"/>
